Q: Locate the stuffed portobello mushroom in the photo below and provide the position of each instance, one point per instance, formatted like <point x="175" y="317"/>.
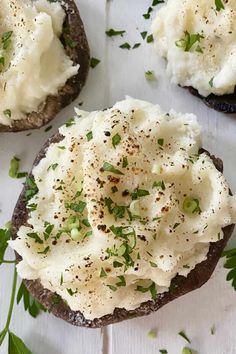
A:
<point x="198" y="40"/>
<point x="44" y="61"/>
<point x="123" y="212"/>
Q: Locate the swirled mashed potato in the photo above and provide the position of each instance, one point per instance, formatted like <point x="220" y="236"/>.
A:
<point x="198" y="39"/>
<point x="33" y="62"/>
<point x="124" y="203"/>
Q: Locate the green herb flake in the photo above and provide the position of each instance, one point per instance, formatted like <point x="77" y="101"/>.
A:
<point x="7" y="113"/>
<point x="35" y="237"/>
<point x="151" y="288"/>
<point x="152" y="264"/>
<point x="163" y="351"/>
<point x="231" y="264"/>
<point x="150" y="75"/>
<point x="211" y="82"/>
<point x="160" y="142"/>
<point x="191" y="205"/>
<point x="148" y="14"/>
<point x="159" y="184"/>
<point x="219" y="5"/>
<point x="152" y="334"/>
<point x="70" y="122"/>
<point x="116" y="139"/>
<point x="53" y="166"/>
<point x="6" y="39"/>
<point x="143" y="34"/>
<point x="125" y="45"/>
<point x="71" y="292"/>
<point x="89" y="136"/>
<point x="138" y="193"/>
<point x="150" y="38"/>
<point x="110" y="168"/>
<point x="122" y="281"/>
<point x="157" y="2"/>
<point x="48" y="128"/>
<point x="125" y="162"/>
<point x="77" y="207"/>
<point x="188" y="41"/>
<point x="112" y="33"/>
<point x="94" y="62"/>
<point x="187" y="351"/>
<point x="183" y="335"/>
<point x="114" y="189"/>
<point x="45" y="251"/>
<point x="103" y="273"/>
<point x="213" y="330"/>
<point x="14" y="169"/>
<point x="112" y="287"/>
<point x="136" y="45"/>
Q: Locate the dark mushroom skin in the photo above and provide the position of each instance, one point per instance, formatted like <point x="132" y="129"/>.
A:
<point x="224" y="103"/>
<point x="79" y="54"/>
<point x="180" y="285"/>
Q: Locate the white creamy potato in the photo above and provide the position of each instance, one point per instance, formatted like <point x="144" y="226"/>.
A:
<point x="33" y="62"/>
<point x="198" y="39"/>
<point x="124" y="204"/>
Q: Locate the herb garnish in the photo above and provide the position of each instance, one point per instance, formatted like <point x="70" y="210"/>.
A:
<point x="116" y="139"/>
<point x="150" y="38"/>
<point x="89" y="135"/>
<point x="124" y="162"/>
<point x="150" y="75"/>
<point x="15" y="344"/>
<point x="125" y="45"/>
<point x="183" y="335"/>
<point x="77" y="206"/>
<point x="187" y="351"/>
<point x="6" y="39"/>
<point x="14" y="168"/>
<point x="151" y="288"/>
<point x="159" y="184"/>
<point x="152" y="334"/>
<point x="157" y="2"/>
<point x="231" y="264"/>
<point x="103" y="273"/>
<point x="143" y="34"/>
<point x="219" y="5"/>
<point x="211" y="82"/>
<point x="110" y="168"/>
<point x="94" y="62"/>
<point x="138" y="193"/>
<point x="148" y="14"/>
<point x="111" y="33"/>
<point x="191" y="205"/>
<point x="187" y="42"/>
<point x="163" y="351"/>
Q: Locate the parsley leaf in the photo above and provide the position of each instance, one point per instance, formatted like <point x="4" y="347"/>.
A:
<point x="16" y="345"/>
<point x="14" y="168"/>
<point x="4" y="237"/>
<point x="138" y="193"/>
<point x="125" y="45"/>
<point x="89" y="135"/>
<point x="116" y="139"/>
<point x="151" y="288"/>
<point x="219" y="5"/>
<point x="183" y="335"/>
<point x="110" y="168"/>
<point x="78" y="207"/>
<point x="187" y="42"/>
<point x="30" y="304"/>
<point x="111" y="33"/>
<point x="94" y="62"/>
<point x="231" y="264"/>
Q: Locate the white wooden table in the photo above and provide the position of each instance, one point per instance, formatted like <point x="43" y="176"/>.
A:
<point x="120" y="73"/>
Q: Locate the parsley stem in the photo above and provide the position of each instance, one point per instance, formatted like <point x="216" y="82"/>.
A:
<point x="7" y="262"/>
<point x="9" y="316"/>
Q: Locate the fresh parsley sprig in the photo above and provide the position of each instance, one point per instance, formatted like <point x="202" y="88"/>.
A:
<point x="231" y="264"/>
<point x="15" y="344"/>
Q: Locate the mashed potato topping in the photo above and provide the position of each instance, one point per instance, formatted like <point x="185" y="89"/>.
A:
<point x="198" y="39"/>
<point x="122" y="204"/>
<point x="33" y="62"/>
